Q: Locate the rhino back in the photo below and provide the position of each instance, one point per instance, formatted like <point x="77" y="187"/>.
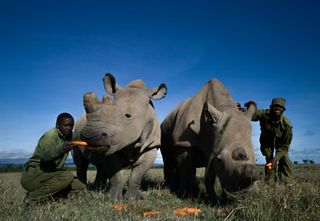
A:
<point x="183" y="124"/>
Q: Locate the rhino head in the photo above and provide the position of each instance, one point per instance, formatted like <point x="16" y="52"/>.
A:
<point x="125" y="116"/>
<point x="232" y="158"/>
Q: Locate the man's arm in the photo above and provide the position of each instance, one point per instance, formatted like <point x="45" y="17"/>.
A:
<point x="51" y="147"/>
<point x="284" y="144"/>
<point x="258" y="115"/>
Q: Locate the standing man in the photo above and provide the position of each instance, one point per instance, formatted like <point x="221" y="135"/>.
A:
<point x="275" y="139"/>
<point x="43" y="175"/>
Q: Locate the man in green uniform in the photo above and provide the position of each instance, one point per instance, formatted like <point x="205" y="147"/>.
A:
<point x="43" y="175"/>
<point x="276" y="136"/>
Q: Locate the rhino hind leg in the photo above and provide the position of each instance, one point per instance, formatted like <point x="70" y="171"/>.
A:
<point x="101" y="180"/>
<point x="144" y="163"/>
<point x="81" y="165"/>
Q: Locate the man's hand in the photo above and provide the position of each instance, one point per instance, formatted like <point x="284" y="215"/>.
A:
<point x="67" y="146"/>
<point x="274" y="163"/>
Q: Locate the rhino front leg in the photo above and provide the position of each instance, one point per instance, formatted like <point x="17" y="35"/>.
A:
<point x="113" y="166"/>
<point x="186" y="172"/>
<point x="140" y="168"/>
<point x="209" y="181"/>
<point x="117" y="183"/>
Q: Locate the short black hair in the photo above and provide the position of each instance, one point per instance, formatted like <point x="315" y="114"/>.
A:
<point x="63" y="116"/>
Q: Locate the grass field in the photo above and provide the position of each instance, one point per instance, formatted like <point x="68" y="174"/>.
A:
<point x="300" y="201"/>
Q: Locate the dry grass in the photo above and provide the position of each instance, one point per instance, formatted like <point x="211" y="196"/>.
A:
<point x="300" y="201"/>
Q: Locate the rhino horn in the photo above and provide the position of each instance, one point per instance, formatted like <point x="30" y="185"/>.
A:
<point x="91" y="103"/>
<point x="110" y="84"/>
<point x="211" y="113"/>
<point x="158" y="92"/>
<point x="220" y="94"/>
<point x="107" y="100"/>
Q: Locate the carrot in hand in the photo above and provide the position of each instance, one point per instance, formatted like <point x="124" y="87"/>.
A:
<point x="80" y="143"/>
<point x="269" y="166"/>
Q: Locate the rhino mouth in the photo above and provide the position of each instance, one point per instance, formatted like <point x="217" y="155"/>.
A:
<point x="241" y="193"/>
<point x="242" y="182"/>
<point x="98" y="149"/>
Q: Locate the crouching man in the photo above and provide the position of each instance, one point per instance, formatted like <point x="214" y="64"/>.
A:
<point x="43" y="176"/>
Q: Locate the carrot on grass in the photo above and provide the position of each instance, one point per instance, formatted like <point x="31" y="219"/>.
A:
<point x="152" y="212"/>
<point x="187" y="210"/>
<point x="120" y="206"/>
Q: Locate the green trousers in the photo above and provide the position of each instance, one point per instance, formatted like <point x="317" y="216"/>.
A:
<point x="44" y="185"/>
<point x="284" y="168"/>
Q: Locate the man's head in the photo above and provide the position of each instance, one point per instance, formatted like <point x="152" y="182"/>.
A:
<point x="278" y="106"/>
<point x="65" y="123"/>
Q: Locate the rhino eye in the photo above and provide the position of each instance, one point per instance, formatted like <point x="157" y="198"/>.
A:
<point x="219" y="156"/>
<point x="128" y="115"/>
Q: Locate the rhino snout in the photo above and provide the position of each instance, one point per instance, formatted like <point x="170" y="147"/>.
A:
<point x="240" y="154"/>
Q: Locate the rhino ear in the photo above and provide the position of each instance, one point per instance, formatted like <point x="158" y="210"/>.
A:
<point x="110" y="84"/>
<point x="159" y="92"/>
<point x="91" y="103"/>
<point x="211" y="113"/>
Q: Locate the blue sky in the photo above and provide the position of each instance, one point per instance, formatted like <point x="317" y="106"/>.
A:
<point x="52" y="52"/>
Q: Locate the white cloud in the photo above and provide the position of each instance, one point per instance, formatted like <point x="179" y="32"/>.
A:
<point x="14" y="154"/>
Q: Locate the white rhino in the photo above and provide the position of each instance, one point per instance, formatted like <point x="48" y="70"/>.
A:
<point x="121" y="131"/>
<point x="208" y="130"/>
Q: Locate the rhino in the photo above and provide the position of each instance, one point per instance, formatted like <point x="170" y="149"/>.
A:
<point x="208" y="130"/>
<point x="122" y="131"/>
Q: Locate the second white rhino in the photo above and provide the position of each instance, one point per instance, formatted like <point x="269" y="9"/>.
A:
<point x="208" y="130"/>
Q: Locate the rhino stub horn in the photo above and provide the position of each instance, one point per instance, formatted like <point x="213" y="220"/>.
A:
<point x="110" y="84"/>
<point x="211" y="113"/>
<point x="158" y="92"/>
<point x="107" y="100"/>
<point x="91" y="103"/>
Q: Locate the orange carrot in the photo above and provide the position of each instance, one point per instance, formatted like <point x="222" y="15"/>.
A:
<point x="80" y="143"/>
<point x="269" y="166"/>
<point x="193" y="211"/>
<point x="152" y="212"/>
<point x="180" y="212"/>
<point x="187" y="210"/>
<point x="120" y="206"/>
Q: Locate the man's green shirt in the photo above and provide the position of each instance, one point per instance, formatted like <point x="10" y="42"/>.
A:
<point x="49" y="153"/>
<point x="276" y="135"/>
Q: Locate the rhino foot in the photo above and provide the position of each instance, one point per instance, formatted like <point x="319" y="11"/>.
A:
<point x="133" y="195"/>
<point x="211" y="199"/>
<point x="116" y="194"/>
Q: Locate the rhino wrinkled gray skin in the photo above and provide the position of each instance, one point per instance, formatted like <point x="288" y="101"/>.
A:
<point x="122" y="131"/>
<point x="208" y="130"/>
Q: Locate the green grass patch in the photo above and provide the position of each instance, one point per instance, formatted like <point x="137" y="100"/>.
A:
<point x="299" y="201"/>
